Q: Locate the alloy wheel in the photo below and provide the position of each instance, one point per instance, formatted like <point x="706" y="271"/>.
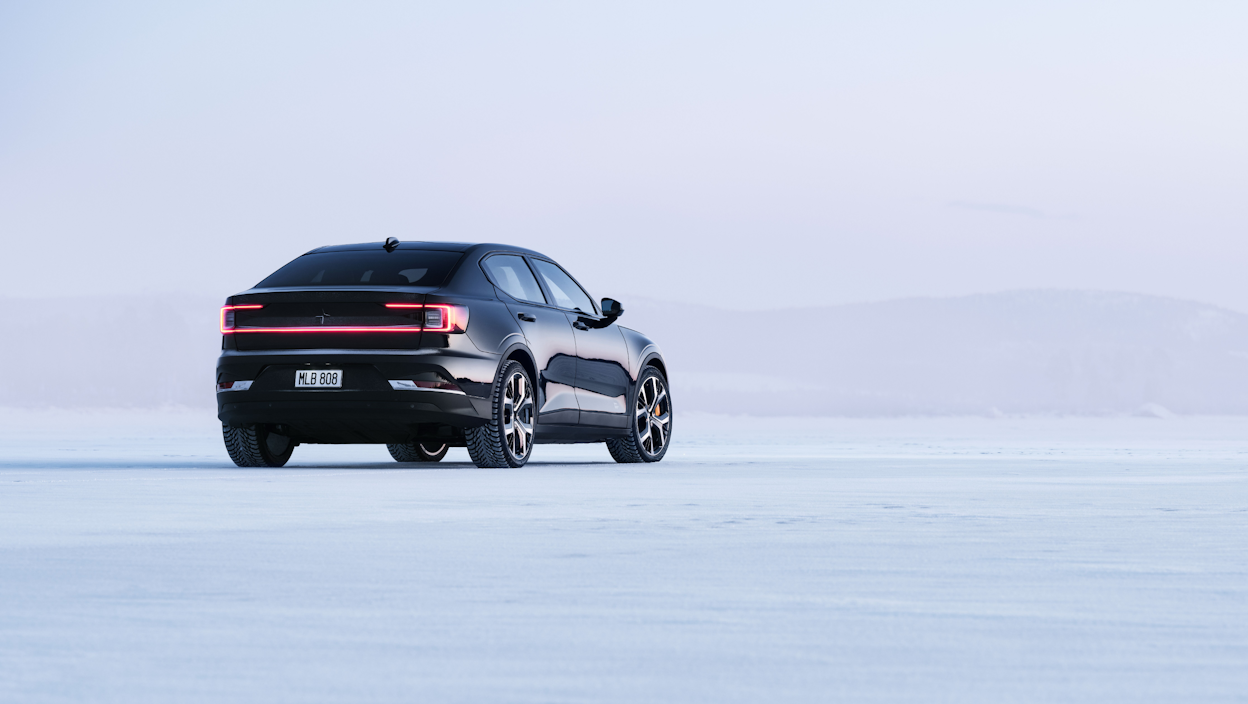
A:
<point x="518" y="415"/>
<point x="653" y="415"/>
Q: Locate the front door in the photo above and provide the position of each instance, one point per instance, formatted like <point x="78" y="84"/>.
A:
<point x="602" y="379"/>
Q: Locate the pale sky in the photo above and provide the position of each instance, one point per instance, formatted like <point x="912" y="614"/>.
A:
<point x="766" y="154"/>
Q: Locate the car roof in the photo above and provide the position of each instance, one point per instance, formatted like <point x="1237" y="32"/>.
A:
<point x="482" y="247"/>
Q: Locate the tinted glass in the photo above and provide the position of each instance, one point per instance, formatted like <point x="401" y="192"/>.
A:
<point x="368" y="268"/>
<point x="511" y="274"/>
<point x="567" y="294"/>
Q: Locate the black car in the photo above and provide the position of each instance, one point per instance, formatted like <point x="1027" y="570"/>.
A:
<point x="428" y="345"/>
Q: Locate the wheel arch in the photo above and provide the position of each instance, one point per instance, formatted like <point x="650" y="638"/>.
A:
<point x="655" y="360"/>
<point x="519" y="353"/>
<point x="650" y="357"/>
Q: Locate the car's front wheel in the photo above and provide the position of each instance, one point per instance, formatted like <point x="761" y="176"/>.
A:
<point x="417" y="451"/>
<point x="651" y="430"/>
<point x="507" y="439"/>
<point x="256" y="446"/>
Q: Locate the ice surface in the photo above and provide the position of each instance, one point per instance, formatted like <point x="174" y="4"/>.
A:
<point x="933" y="560"/>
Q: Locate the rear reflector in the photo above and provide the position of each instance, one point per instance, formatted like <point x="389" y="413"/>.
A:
<point x="409" y="385"/>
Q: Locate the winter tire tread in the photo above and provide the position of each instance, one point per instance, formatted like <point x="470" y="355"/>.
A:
<point x="244" y="447"/>
<point x="628" y="449"/>
<point x="485" y="443"/>
<point x="413" y="452"/>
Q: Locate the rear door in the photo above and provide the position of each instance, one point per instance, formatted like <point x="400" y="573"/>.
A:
<point x="602" y="379"/>
<point x="548" y="334"/>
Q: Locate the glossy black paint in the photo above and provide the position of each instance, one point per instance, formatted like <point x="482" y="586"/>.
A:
<point x="585" y="365"/>
<point x="549" y="339"/>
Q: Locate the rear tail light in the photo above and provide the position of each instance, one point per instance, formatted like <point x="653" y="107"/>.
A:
<point x="433" y="317"/>
<point x="439" y="317"/>
<point x="227" y="316"/>
<point x="233" y="385"/>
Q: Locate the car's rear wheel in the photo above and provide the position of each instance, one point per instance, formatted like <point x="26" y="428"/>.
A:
<point x="256" y="446"/>
<point x="418" y="451"/>
<point x="651" y="431"/>
<point x="507" y="439"/>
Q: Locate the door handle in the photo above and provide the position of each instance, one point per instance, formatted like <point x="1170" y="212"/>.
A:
<point x="526" y="317"/>
<point x="580" y="326"/>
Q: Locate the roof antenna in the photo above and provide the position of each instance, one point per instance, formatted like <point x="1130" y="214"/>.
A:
<point x="391" y="244"/>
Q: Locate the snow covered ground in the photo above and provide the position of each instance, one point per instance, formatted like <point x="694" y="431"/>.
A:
<point x="933" y="560"/>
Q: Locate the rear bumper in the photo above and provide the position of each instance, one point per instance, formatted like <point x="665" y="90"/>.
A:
<point x="367" y="409"/>
<point x="418" y="407"/>
<point x="354" y="421"/>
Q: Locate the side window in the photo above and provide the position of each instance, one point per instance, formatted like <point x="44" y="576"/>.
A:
<point x="567" y="294"/>
<point x="511" y="274"/>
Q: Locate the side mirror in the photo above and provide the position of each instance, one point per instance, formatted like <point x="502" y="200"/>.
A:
<point x="612" y="308"/>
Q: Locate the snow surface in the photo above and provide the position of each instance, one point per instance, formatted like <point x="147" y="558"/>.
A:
<point x="934" y="560"/>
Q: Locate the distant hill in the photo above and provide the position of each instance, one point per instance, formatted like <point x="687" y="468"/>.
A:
<point x="1079" y="352"/>
<point x="143" y="351"/>
<point x="1075" y="352"/>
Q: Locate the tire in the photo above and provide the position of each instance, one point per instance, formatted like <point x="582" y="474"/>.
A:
<point x="256" y="446"/>
<point x="652" y="422"/>
<point x="418" y="451"/>
<point x="507" y="439"/>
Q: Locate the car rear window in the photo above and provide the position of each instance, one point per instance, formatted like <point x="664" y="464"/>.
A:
<point x="366" y="268"/>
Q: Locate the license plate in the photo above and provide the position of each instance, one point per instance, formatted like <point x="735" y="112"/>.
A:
<point x="319" y="379"/>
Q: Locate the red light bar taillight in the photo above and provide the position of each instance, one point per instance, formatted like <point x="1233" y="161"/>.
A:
<point x="439" y="317"/>
<point x="227" y="316"/>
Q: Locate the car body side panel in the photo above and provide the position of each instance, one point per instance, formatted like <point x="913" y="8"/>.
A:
<point x="641" y="350"/>
<point x="602" y="372"/>
<point x="491" y="327"/>
<point x="550" y="340"/>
